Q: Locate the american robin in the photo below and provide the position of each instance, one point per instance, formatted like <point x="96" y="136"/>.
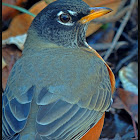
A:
<point x="60" y="88"/>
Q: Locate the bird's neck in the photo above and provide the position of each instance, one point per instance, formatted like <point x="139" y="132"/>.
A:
<point x="35" y="43"/>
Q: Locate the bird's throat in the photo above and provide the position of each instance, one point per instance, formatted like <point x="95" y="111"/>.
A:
<point x="35" y="42"/>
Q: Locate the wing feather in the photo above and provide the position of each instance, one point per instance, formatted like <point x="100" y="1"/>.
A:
<point x="49" y="113"/>
<point x="68" y="125"/>
<point x="72" y="121"/>
<point x="15" y="114"/>
<point x="45" y="97"/>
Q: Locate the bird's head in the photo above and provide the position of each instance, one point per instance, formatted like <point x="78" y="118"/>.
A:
<point x="63" y="23"/>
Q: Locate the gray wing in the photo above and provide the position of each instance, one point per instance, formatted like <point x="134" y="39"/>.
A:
<point x="15" y="104"/>
<point x="62" y="120"/>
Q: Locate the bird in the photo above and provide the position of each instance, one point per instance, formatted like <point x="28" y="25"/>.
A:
<point x="61" y="87"/>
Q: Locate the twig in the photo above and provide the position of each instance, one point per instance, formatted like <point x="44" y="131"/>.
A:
<point x="135" y="29"/>
<point x="121" y="28"/>
<point x="133" y="121"/>
<point x="126" y="37"/>
<point x="126" y="59"/>
<point x="105" y="46"/>
<point x="131" y="114"/>
<point x="134" y="138"/>
<point x="122" y="4"/>
<point x="134" y="126"/>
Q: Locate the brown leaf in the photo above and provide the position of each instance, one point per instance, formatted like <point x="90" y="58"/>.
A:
<point x="117" y="103"/>
<point x="10" y="54"/>
<point x="8" y="12"/>
<point x="128" y="101"/>
<point x="5" y="74"/>
<point x="21" y="23"/>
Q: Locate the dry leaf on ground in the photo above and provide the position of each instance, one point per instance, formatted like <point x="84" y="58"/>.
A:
<point x="20" y="24"/>
<point x="17" y="40"/>
<point x="10" y="54"/>
<point x="129" y="77"/>
<point x="8" y="12"/>
<point x="128" y="101"/>
<point x="3" y="63"/>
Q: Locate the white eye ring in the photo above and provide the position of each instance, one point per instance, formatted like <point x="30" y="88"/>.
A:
<point x="72" y="12"/>
<point x="67" y="19"/>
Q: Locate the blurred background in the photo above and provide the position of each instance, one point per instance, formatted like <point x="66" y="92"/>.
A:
<point x="114" y="37"/>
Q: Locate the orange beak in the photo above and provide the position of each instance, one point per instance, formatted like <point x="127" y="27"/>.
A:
<point x="95" y="12"/>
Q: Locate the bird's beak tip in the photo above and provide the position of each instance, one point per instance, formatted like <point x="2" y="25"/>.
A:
<point x="95" y="12"/>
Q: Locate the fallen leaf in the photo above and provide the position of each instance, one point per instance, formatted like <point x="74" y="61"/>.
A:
<point x="17" y="40"/>
<point x="11" y="54"/>
<point x="8" y="12"/>
<point x="117" y="103"/>
<point x="20" y="24"/>
<point x="5" y="74"/>
<point x="129" y="77"/>
<point x="128" y="101"/>
<point x="3" y="63"/>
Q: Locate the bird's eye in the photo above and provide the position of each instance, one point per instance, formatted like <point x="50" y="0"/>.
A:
<point x="65" y="18"/>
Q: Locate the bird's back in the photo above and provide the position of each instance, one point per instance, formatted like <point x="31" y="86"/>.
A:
<point x="55" y="89"/>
